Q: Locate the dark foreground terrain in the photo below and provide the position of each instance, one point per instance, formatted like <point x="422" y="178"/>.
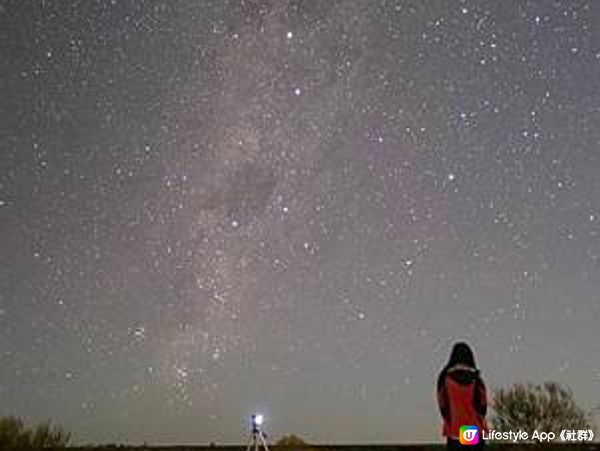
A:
<point x="497" y="446"/>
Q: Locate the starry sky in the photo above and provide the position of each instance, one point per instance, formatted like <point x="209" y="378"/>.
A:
<point x="211" y="208"/>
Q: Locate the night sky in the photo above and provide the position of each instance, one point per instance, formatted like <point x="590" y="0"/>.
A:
<point x="211" y="208"/>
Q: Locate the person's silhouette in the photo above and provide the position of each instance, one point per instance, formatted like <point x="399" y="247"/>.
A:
<point x="461" y="396"/>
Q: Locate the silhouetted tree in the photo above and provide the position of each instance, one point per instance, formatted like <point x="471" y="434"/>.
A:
<point x="545" y="407"/>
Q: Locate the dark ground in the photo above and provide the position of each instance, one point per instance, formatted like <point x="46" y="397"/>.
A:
<point x="518" y="447"/>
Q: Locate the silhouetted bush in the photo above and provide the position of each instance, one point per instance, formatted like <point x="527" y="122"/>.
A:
<point x="291" y="441"/>
<point x="14" y="434"/>
<point x="546" y="407"/>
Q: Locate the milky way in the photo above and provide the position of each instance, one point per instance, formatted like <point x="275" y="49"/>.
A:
<point x="211" y="208"/>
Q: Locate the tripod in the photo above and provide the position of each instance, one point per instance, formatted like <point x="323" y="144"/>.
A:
<point x="257" y="439"/>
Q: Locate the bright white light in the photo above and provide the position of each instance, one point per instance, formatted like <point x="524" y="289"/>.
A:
<point x="258" y="419"/>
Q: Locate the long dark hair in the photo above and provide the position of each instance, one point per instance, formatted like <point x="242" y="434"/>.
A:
<point x="461" y="354"/>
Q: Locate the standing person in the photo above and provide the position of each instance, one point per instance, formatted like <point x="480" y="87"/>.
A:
<point x="461" y="396"/>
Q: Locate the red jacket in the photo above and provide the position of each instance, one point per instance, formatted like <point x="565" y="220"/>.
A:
<point x="462" y="399"/>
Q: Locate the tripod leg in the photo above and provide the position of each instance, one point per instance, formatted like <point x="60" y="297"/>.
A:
<point x="264" y="442"/>
<point x="250" y="443"/>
